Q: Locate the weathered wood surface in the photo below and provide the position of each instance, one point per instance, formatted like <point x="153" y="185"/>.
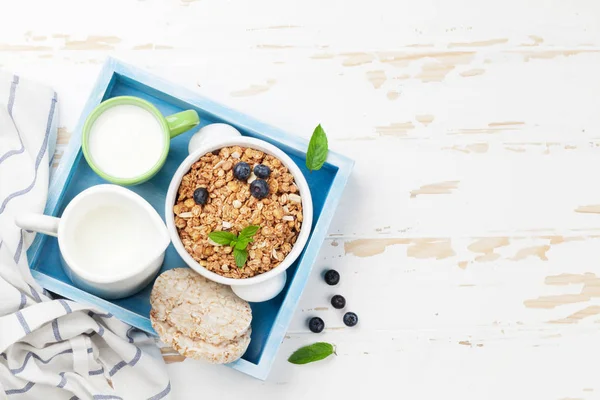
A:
<point x="469" y="236"/>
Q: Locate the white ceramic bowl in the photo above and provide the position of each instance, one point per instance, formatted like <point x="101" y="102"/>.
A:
<point x="260" y="287"/>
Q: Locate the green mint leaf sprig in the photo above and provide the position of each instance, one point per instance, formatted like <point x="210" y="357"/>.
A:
<point x="239" y="242"/>
<point x="240" y="257"/>
<point x="248" y="232"/>
<point x="223" y="238"/>
<point x="314" y="352"/>
<point x="318" y="148"/>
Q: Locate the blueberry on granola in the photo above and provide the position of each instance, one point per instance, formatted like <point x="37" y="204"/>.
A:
<point x="316" y="325"/>
<point x="259" y="188"/>
<point x="262" y="171"/>
<point x="338" y="301"/>
<point x="241" y="171"/>
<point x="350" y="319"/>
<point x="200" y="196"/>
<point x="332" y="277"/>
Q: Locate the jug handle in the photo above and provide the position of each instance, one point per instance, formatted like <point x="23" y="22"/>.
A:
<point x="38" y="223"/>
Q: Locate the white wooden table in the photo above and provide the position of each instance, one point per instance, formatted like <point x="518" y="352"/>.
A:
<point x="469" y="236"/>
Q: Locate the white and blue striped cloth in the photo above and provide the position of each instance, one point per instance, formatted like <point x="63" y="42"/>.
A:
<point x="54" y="349"/>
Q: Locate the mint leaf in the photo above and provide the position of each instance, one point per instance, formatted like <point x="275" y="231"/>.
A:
<point x="240" y="257"/>
<point x="314" y="352"/>
<point x="241" y="244"/>
<point x="223" y="238"/>
<point x="248" y="232"/>
<point x="317" y="149"/>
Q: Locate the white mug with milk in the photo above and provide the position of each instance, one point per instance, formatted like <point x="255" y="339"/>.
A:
<point x="112" y="242"/>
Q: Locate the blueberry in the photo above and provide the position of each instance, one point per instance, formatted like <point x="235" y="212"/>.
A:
<point x="201" y="196"/>
<point x="316" y="325"/>
<point x="262" y="171"/>
<point x="241" y="171"/>
<point x="338" y="301"/>
<point x="332" y="277"/>
<point x="350" y="319"/>
<point x="259" y="189"/>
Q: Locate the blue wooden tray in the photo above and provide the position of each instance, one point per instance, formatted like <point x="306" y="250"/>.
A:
<point x="73" y="175"/>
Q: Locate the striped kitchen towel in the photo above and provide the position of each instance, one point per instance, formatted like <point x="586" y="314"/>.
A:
<point x="54" y="349"/>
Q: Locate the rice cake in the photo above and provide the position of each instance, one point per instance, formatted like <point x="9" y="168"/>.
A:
<point x="198" y="317"/>
<point x="223" y="353"/>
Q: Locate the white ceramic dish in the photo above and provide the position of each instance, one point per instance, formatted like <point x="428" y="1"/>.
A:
<point x="261" y="287"/>
<point x="133" y="256"/>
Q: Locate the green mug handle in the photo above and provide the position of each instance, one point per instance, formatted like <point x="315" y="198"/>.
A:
<point x="182" y="122"/>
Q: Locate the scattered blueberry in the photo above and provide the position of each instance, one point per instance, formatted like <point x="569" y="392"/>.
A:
<point x="338" y="301"/>
<point x="332" y="277"/>
<point x="259" y="189"/>
<point x="350" y="319"/>
<point x="262" y="171"/>
<point x="201" y="196"/>
<point x="316" y="325"/>
<point x="241" y="171"/>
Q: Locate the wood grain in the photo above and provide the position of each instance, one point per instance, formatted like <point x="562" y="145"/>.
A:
<point x="468" y="237"/>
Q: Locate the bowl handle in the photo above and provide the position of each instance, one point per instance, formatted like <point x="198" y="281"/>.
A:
<point x="210" y="134"/>
<point x="262" y="291"/>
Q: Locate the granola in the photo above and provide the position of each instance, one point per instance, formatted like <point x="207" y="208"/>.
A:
<point x="230" y="207"/>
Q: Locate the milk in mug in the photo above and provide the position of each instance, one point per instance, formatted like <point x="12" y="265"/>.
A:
<point x="126" y="141"/>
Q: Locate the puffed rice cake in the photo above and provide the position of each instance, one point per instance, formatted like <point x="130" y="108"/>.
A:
<point x="200" y="318"/>
<point x="197" y="349"/>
